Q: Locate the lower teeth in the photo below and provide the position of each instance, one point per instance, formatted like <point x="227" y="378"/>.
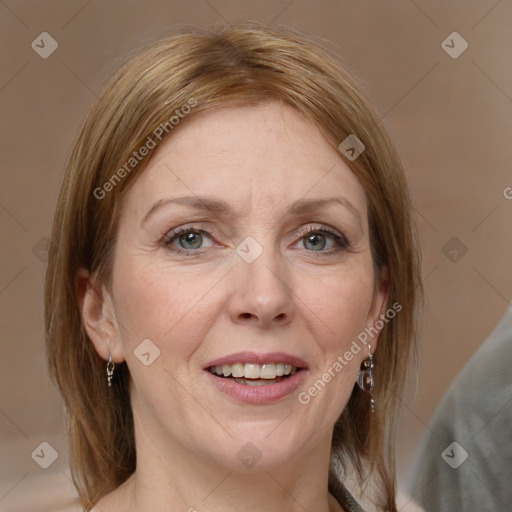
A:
<point x="257" y="382"/>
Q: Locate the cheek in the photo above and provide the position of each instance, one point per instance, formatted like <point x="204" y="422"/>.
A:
<point x="336" y="313"/>
<point x="173" y="309"/>
<point x="337" y="308"/>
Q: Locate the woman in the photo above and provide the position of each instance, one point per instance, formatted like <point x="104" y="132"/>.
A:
<point x="230" y="309"/>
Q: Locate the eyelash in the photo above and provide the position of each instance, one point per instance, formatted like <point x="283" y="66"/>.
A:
<point x="174" y="235"/>
<point x="340" y="240"/>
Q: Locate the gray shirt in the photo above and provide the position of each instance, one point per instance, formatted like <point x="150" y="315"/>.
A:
<point x="465" y="461"/>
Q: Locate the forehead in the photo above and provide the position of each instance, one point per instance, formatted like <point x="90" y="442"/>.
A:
<point x="249" y="156"/>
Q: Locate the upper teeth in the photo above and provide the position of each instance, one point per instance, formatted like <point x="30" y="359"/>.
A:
<point x="254" y="371"/>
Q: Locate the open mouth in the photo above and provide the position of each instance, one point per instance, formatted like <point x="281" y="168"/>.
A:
<point x="251" y="374"/>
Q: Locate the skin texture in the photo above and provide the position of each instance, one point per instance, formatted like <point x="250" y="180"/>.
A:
<point x="202" y="305"/>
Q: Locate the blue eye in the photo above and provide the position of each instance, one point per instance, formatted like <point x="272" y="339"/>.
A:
<point x="323" y="240"/>
<point x="190" y="240"/>
<point x="187" y="240"/>
<point x="195" y="241"/>
<point x="315" y="242"/>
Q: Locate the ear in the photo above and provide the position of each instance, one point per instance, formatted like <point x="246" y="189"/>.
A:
<point x="98" y="316"/>
<point x="377" y="314"/>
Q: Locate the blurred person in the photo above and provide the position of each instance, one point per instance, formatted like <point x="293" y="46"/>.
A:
<point x="465" y="459"/>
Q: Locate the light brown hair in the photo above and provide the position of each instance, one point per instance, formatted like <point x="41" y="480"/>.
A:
<point x="241" y="65"/>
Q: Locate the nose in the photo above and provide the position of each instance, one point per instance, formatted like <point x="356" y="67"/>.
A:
<point x="261" y="293"/>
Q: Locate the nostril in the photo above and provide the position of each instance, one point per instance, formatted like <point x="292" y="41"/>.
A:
<point x="280" y="317"/>
<point x="245" y="315"/>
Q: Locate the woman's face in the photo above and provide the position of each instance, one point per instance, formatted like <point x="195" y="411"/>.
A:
<point x="245" y="244"/>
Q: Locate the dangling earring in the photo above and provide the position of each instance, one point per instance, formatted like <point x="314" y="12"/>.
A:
<point x="110" y="369"/>
<point x="365" y="377"/>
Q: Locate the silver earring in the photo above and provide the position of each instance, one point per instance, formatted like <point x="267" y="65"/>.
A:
<point x="365" y="377"/>
<point x="110" y="369"/>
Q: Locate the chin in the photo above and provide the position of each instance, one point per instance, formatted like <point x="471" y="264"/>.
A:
<point x="258" y="449"/>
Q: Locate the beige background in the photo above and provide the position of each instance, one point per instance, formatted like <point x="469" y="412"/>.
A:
<point x="451" y="119"/>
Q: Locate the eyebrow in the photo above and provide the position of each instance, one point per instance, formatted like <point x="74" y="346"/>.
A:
<point x="304" y="206"/>
<point x="204" y="204"/>
<point x="220" y="208"/>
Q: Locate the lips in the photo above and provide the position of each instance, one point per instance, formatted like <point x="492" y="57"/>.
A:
<point x="257" y="378"/>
